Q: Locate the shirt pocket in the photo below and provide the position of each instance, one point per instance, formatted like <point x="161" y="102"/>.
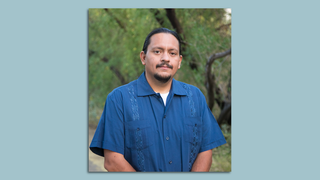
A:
<point x="138" y="134"/>
<point x="193" y="130"/>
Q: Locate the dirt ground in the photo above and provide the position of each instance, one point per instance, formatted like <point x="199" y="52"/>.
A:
<point x="95" y="161"/>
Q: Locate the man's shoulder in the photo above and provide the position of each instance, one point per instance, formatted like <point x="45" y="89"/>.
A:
<point x="121" y="90"/>
<point x="189" y="88"/>
<point x="195" y="98"/>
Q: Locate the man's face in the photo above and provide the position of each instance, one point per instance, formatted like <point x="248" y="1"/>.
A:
<point x="162" y="59"/>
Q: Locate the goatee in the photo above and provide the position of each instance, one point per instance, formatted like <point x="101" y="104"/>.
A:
<point x="161" y="78"/>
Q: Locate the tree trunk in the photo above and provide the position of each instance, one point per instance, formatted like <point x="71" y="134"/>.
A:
<point x="171" y="14"/>
<point x="225" y="114"/>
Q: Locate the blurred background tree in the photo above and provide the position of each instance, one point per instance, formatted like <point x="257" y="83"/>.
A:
<point x="116" y="37"/>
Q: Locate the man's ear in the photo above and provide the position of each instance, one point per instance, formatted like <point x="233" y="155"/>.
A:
<point x="180" y="61"/>
<point x="143" y="57"/>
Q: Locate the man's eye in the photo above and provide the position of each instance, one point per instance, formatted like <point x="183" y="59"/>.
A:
<point x="173" y="54"/>
<point x="157" y="52"/>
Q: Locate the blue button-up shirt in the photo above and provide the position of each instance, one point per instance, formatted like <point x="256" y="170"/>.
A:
<point x="154" y="137"/>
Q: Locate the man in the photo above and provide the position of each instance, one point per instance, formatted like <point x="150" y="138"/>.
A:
<point x="156" y="123"/>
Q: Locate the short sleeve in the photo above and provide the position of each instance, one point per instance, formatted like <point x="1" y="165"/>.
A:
<point x="110" y="130"/>
<point x="212" y="136"/>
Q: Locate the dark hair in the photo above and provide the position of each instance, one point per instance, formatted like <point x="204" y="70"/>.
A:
<point x="160" y="30"/>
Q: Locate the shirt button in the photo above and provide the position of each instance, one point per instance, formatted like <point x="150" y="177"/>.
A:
<point x="138" y="129"/>
<point x="167" y="138"/>
<point x="170" y="162"/>
<point x="164" y="116"/>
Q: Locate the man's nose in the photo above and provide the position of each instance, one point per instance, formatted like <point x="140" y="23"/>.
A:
<point x="165" y="57"/>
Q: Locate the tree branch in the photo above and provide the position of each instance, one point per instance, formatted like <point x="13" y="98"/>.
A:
<point x="210" y="78"/>
<point x="218" y="55"/>
<point x="115" y="18"/>
<point x="156" y="13"/>
<point x="115" y="71"/>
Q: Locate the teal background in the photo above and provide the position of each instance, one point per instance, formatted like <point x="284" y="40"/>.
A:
<point x="275" y="90"/>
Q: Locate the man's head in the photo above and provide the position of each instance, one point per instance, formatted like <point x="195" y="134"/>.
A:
<point x="161" y="54"/>
<point x="160" y="30"/>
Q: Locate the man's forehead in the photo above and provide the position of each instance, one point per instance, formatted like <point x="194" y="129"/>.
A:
<point x="165" y="38"/>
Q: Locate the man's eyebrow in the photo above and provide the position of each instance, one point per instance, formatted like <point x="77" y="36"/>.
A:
<point x="163" y="48"/>
<point x="157" y="48"/>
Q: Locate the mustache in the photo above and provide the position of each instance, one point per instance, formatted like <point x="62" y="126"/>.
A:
<point x="164" y="64"/>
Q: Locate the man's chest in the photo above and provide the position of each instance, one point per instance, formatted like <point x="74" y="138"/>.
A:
<point x="147" y="121"/>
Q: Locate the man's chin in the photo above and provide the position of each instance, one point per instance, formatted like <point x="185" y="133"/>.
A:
<point x="162" y="78"/>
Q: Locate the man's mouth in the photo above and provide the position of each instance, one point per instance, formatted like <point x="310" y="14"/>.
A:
<point x="167" y="66"/>
<point x="164" y="67"/>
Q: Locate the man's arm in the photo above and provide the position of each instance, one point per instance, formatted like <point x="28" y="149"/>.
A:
<point x="203" y="162"/>
<point x="115" y="162"/>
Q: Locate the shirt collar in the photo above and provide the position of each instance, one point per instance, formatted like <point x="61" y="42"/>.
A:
<point x="176" y="88"/>
<point x="144" y="89"/>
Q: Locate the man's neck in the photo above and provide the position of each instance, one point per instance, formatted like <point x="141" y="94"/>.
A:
<point x="159" y="87"/>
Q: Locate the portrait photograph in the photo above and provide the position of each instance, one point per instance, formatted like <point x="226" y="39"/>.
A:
<point x="159" y="90"/>
<point x="150" y="90"/>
